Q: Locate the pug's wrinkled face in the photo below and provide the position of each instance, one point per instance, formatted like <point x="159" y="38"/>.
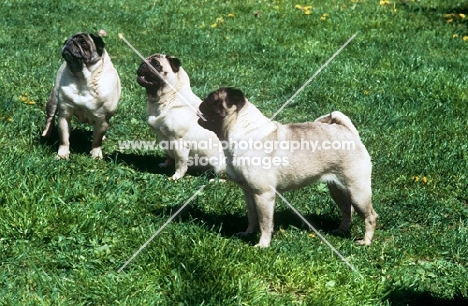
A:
<point x="166" y="66"/>
<point x="218" y="106"/>
<point x="81" y="50"/>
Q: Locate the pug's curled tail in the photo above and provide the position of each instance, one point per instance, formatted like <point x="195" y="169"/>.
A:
<point x="337" y="117"/>
<point x="51" y="106"/>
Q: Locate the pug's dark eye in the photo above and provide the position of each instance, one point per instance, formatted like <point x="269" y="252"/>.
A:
<point x="156" y="66"/>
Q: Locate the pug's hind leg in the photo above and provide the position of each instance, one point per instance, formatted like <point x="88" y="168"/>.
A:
<point x="361" y="197"/>
<point x="181" y="159"/>
<point x="343" y="200"/>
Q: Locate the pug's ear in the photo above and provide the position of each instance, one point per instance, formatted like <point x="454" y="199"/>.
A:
<point x="235" y="97"/>
<point x="174" y="62"/>
<point x="99" y="43"/>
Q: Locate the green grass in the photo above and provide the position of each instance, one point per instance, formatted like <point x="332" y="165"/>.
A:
<point x="67" y="226"/>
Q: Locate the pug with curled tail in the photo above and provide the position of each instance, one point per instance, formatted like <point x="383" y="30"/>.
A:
<point x="347" y="171"/>
<point x="172" y="110"/>
<point x="87" y="87"/>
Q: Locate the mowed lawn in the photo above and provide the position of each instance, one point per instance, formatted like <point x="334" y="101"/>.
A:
<point x="66" y="227"/>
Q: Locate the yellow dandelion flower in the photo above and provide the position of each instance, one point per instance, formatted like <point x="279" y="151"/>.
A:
<point x="455" y="36"/>
<point x="24" y="98"/>
<point x="299" y="7"/>
<point x="462" y="16"/>
<point x="465" y="38"/>
<point x="449" y="20"/>
<point x="307" y="12"/>
<point x="424" y="180"/>
<point x="30" y="102"/>
<point x="326" y="15"/>
<point x="311" y="235"/>
<point x="230" y="15"/>
<point x="9" y="119"/>
<point x="323" y="18"/>
<point x="415" y="178"/>
<point x="384" y="2"/>
<point x="214" y="25"/>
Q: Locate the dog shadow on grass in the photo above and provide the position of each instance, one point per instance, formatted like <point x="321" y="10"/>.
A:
<point x="143" y="163"/>
<point x="150" y="163"/>
<point x="80" y="141"/>
<point x="410" y="297"/>
<point x="230" y="225"/>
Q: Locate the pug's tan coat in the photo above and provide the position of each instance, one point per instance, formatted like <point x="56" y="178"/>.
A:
<point x="347" y="172"/>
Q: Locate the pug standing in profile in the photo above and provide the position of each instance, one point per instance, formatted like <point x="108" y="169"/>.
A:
<point x="172" y="113"/>
<point x="87" y="87"/>
<point x="347" y="172"/>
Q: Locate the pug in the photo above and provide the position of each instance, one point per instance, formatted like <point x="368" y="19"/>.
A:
<point x="294" y="162"/>
<point x="87" y="87"/>
<point x="172" y="113"/>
